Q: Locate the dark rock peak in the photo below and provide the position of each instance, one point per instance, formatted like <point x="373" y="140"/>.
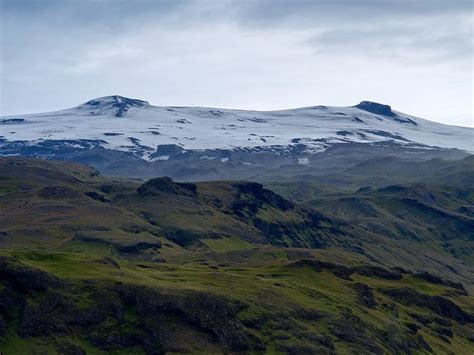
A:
<point x="259" y="193"/>
<point x="374" y="107"/>
<point x="117" y="99"/>
<point x="118" y="105"/>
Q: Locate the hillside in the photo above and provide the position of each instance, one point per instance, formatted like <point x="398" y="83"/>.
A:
<point x="98" y="264"/>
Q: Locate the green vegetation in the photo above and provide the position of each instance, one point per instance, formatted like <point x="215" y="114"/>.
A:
<point x="96" y="265"/>
<point x="227" y="244"/>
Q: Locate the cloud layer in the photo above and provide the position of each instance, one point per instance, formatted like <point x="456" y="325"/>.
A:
<point x="416" y="55"/>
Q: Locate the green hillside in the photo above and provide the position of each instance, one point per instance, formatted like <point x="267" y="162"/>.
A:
<point x="93" y="264"/>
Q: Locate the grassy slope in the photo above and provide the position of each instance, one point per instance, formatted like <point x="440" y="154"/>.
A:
<point x="282" y="306"/>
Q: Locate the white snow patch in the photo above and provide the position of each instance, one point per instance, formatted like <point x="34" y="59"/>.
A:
<point x="303" y="161"/>
<point x="207" y="157"/>
<point x="320" y="127"/>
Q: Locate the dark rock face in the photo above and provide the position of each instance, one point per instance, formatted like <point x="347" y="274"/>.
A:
<point x="165" y="184"/>
<point x="345" y="272"/>
<point x="412" y="327"/>
<point x="437" y="280"/>
<point x="136" y="248"/>
<point x="384" y="110"/>
<point x="109" y="261"/>
<point x="376" y="108"/>
<point x="96" y="196"/>
<point x="120" y="105"/>
<point x="260" y="194"/>
<point x="25" y="278"/>
<point x="437" y="304"/>
<point x="366" y="297"/>
<point x="340" y="271"/>
<point x="181" y="237"/>
<point x="377" y="271"/>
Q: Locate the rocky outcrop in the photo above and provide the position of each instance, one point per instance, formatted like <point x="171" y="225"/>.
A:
<point x="439" y="281"/>
<point x="157" y="186"/>
<point x="25" y="278"/>
<point x="440" y="305"/>
<point x="365" y="295"/>
<point x="377" y="271"/>
<point x="95" y="196"/>
<point x="376" y="108"/>
<point x="345" y="272"/>
<point x="260" y="196"/>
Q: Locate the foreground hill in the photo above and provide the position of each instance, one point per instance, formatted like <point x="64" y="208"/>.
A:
<point x="95" y="264"/>
<point x="130" y="137"/>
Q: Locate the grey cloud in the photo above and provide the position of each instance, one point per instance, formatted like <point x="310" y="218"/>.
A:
<point x="315" y="12"/>
<point x="427" y="39"/>
<point x="236" y="53"/>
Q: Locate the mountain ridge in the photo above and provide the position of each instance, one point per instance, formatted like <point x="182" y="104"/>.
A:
<point x="208" y="143"/>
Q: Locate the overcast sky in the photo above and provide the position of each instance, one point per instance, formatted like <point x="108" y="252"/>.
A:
<point x="415" y="55"/>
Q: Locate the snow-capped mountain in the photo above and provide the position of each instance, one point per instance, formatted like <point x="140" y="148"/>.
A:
<point x="154" y="133"/>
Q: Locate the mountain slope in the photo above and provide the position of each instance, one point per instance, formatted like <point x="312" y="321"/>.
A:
<point x="98" y="265"/>
<point x="49" y="205"/>
<point x="213" y="138"/>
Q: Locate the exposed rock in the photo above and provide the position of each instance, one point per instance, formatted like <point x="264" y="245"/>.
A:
<point x="165" y="184"/>
<point x="377" y="271"/>
<point x="422" y="344"/>
<point x="412" y="327"/>
<point x="366" y="296"/>
<point x="96" y="196"/>
<point x="376" y="108"/>
<point x="109" y="261"/>
<point x="317" y="265"/>
<point x="182" y="237"/>
<point x="421" y="318"/>
<point x="439" y="281"/>
<point x="25" y="278"/>
<point x="437" y="304"/>
<point x="138" y="247"/>
<point x="443" y="331"/>
<point x="263" y="195"/>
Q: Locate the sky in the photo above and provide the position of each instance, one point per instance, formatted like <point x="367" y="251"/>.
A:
<point x="415" y="55"/>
